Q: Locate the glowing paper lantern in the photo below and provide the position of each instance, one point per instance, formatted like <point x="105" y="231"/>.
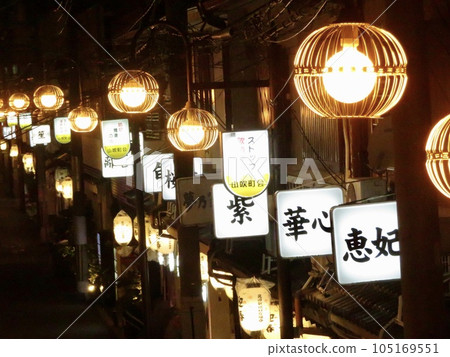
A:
<point x="14" y="151"/>
<point x="67" y="188"/>
<point x="123" y="228"/>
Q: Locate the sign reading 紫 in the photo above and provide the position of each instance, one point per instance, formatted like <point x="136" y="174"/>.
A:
<point x="246" y="166"/>
<point x="25" y="120"/>
<point x="62" y="129"/>
<point x="153" y="174"/>
<point x="195" y="201"/>
<point x="236" y="216"/>
<point x="117" y="167"/>
<point x="40" y="135"/>
<point x="168" y="179"/>
<point x="366" y="244"/>
<point x="116" y="138"/>
<point x="303" y="220"/>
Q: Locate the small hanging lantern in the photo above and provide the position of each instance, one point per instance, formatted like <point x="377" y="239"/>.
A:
<point x="12" y="118"/>
<point x="437" y="149"/>
<point x="28" y="162"/>
<point x="3" y="146"/>
<point x="133" y="92"/>
<point x="123" y="228"/>
<point x="83" y="119"/>
<point x="192" y="129"/>
<point x="254" y="304"/>
<point x="163" y="243"/>
<point x="60" y="174"/>
<point x="218" y="281"/>
<point x="67" y="188"/>
<point x="147" y="220"/>
<point x="14" y="150"/>
<point x="1" y="103"/>
<point x="19" y="102"/>
<point x="350" y="70"/>
<point x="273" y="330"/>
<point x="48" y="97"/>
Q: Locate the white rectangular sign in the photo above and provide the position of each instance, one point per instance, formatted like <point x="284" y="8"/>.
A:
<point x="40" y="135"/>
<point x="246" y="166"/>
<point x="116" y="138"/>
<point x="366" y="245"/>
<point x="25" y="120"/>
<point x="117" y="167"/>
<point x="168" y="179"/>
<point x="236" y="216"/>
<point x="63" y="133"/>
<point x="303" y="220"/>
<point x="9" y="132"/>
<point x="12" y="119"/>
<point x="153" y="175"/>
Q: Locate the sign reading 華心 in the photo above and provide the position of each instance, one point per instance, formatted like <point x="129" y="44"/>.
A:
<point x="246" y="166"/>
<point x="303" y="220"/>
<point x="40" y="135"/>
<point x="236" y="216"/>
<point x="116" y="138"/>
<point x="366" y="245"/>
<point x="62" y="130"/>
<point x="117" y="167"/>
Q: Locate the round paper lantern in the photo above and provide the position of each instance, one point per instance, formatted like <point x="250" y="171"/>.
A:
<point x="123" y="228"/>
<point x="350" y="70"/>
<point x="28" y="162"/>
<point x="19" y="101"/>
<point x="192" y="129"/>
<point x="438" y="149"/>
<point x="67" y="188"/>
<point x="83" y="119"/>
<point x="254" y="307"/>
<point x="14" y="151"/>
<point x="48" y="97"/>
<point x="133" y="92"/>
<point x="147" y="220"/>
<point x="3" y="146"/>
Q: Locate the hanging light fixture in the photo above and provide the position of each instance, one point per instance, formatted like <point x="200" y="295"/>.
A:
<point x="123" y="228"/>
<point x="218" y="281"/>
<point x="437" y="149"/>
<point x="133" y="92"/>
<point x="3" y="146"/>
<point x="14" y="150"/>
<point x="48" y="97"/>
<point x="28" y="162"/>
<point x="12" y="118"/>
<point x="19" y="101"/>
<point x="350" y="70"/>
<point x="83" y="119"/>
<point x="67" y="188"/>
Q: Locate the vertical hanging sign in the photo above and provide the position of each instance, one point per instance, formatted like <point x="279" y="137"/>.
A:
<point x="366" y="244"/>
<point x="153" y="174"/>
<point x="304" y="227"/>
<point x="25" y="120"/>
<point x="168" y="179"/>
<point x="116" y="138"/>
<point x="62" y="130"/>
<point x="117" y="167"/>
<point x="11" y="119"/>
<point x="9" y="132"/>
<point x="246" y="166"/>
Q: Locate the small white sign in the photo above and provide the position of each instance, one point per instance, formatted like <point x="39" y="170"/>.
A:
<point x="117" y="167"/>
<point x="40" y="135"/>
<point x="168" y="179"/>
<point x="25" y="120"/>
<point x="9" y="132"/>
<point x="12" y="119"/>
<point x="62" y="130"/>
<point x="246" y="166"/>
<point x="195" y="201"/>
<point x="116" y="138"/>
<point x="366" y="244"/>
<point x="198" y="166"/>
<point x="303" y="220"/>
<point x="153" y="174"/>
<point x="236" y="216"/>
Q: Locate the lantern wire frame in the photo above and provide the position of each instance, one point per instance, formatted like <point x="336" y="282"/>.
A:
<point x="135" y="82"/>
<point x="83" y="119"/>
<point x="438" y="161"/>
<point x="48" y="97"/>
<point x="19" y="101"/>
<point x="381" y="47"/>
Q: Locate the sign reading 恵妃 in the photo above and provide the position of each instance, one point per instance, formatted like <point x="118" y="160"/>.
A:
<point x="366" y="244"/>
<point x="40" y="135"/>
<point x="116" y="138"/>
<point x="153" y="174"/>
<point x="62" y="129"/>
<point x="236" y="216"/>
<point x="303" y="220"/>
<point x="117" y="167"/>
<point x="246" y="166"/>
<point x="25" y="120"/>
<point x="168" y="179"/>
<point x="195" y="201"/>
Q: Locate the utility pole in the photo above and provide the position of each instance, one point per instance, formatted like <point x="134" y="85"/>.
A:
<point x="421" y="282"/>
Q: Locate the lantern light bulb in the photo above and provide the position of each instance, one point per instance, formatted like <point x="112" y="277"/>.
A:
<point x="133" y="94"/>
<point x="191" y="133"/>
<point x="83" y="122"/>
<point x="48" y="100"/>
<point x="351" y="78"/>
